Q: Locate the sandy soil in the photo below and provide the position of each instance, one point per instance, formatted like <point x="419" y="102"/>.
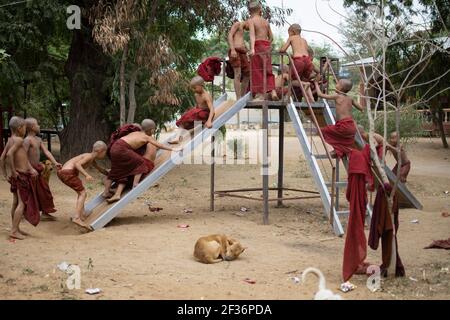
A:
<point x="143" y="255"/>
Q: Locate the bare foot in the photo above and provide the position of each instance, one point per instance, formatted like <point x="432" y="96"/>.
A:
<point x="107" y="195"/>
<point x="48" y="217"/>
<point x="16" y="235"/>
<point x="259" y="97"/>
<point x="175" y="140"/>
<point x="275" y="96"/>
<point x="113" y="199"/>
<point x="23" y="233"/>
<point x="79" y="222"/>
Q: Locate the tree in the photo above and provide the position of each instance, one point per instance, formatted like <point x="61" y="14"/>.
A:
<point x="418" y="51"/>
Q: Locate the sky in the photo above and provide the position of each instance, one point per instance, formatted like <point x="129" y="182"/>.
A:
<point x="306" y="15"/>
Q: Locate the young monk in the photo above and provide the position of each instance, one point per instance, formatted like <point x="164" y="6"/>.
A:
<point x="341" y="135"/>
<point x="69" y="172"/>
<point x="127" y="163"/>
<point x="33" y="145"/>
<point x="382" y="226"/>
<point x="280" y="84"/>
<point x="238" y="57"/>
<point x="15" y="160"/>
<point x="300" y="55"/>
<point x="204" y="111"/>
<point x="405" y="162"/>
<point x="261" y="38"/>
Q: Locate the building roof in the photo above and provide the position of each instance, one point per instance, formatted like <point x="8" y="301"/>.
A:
<point x="360" y="63"/>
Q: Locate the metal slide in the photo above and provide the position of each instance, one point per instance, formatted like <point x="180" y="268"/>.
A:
<point x="315" y="169"/>
<point x="101" y="213"/>
<point x="409" y="199"/>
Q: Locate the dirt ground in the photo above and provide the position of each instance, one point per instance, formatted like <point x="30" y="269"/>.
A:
<point x="144" y="255"/>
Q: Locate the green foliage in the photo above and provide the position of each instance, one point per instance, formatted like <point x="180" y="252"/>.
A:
<point x="410" y="123"/>
<point x="34" y="37"/>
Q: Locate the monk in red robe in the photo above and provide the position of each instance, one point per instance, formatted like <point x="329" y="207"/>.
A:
<point x="22" y="177"/>
<point x="69" y="172"/>
<point x="127" y="163"/>
<point x="382" y="226"/>
<point x="300" y="55"/>
<point x="122" y="132"/>
<point x="203" y="112"/>
<point x="34" y="146"/>
<point x="359" y="175"/>
<point x="341" y="136"/>
<point x="261" y="38"/>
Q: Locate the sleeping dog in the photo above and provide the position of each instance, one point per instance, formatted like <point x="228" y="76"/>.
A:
<point x="216" y="248"/>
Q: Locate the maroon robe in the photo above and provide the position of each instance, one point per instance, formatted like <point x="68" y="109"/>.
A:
<point x="359" y="174"/>
<point x="341" y="136"/>
<point x="262" y="57"/>
<point x="126" y="163"/>
<point x="44" y="195"/>
<point x="304" y="68"/>
<point x="25" y="187"/>
<point x="209" y="68"/>
<point x="70" y="178"/>
<point x="196" y="114"/>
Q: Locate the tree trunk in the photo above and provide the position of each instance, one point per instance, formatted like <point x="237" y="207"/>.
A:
<point x="87" y="70"/>
<point x="441" y="127"/>
<point x="123" y="63"/>
<point x="132" y="97"/>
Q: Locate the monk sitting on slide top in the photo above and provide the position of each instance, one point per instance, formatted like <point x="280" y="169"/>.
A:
<point x="68" y="174"/>
<point x="22" y="179"/>
<point x="261" y="45"/>
<point x="341" y="136"/>
<point x="127" y="163"/>
<point x="203" y="112"/>
<point x="34" y="145"/>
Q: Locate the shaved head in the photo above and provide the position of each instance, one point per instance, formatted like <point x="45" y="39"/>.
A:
<point x="197" y="81"/>
<point x="99" y="146"/>
<point x="254" y="6"/>
<point x="147" y="125"/>
<point x="15" y="123"/>
<point x="295" y="28"/>
<point x="346" y="85"/>
<point x="285" y="68"/>
<point x="30" y="122"/>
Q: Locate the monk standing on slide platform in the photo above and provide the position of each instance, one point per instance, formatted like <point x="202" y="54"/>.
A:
<point x="260" y="51"/>
<point x="238" y="58"/>
<point x="33" y="145"/>
<point x="22" y="179"/>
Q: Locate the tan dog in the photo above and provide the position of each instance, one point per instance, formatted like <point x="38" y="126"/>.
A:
<point x="48" y="168"/>
<point x="216" y="248"/>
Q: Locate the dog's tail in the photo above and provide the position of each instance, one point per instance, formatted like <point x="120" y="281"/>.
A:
<point x="319" y="274"/>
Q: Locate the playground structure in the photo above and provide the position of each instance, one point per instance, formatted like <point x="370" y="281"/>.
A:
<point x="321" y="113"/>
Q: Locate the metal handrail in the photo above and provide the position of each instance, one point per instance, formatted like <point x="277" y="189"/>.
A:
<point x="311" y="111"/>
